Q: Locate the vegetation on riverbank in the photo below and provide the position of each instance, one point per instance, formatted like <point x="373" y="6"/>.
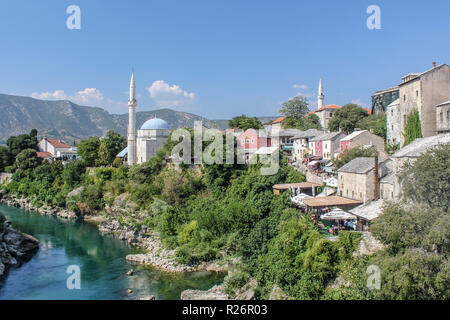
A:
<point x="229" y="211"/>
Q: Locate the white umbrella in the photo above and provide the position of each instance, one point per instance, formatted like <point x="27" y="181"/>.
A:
<point x="337" y="214"/>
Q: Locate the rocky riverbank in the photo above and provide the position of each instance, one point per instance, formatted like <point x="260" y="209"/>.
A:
<point x="113" y="220"/>
<point x="15" y="247"/>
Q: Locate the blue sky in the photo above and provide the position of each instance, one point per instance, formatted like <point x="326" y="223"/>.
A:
<point x="216" y="58"/>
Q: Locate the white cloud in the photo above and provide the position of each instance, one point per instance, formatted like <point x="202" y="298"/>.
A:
<point x="166" y="95"/>
<point x="300" y="86"/>
<point x="86" y="97"/>
<point x="359" y="102"/>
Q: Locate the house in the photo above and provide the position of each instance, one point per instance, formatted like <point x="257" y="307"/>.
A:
<point x="325" y="114"/>
<point x="443" y="117"/>
<point x="301" y="143"/>
<point x="274" y="125"/>
<point x="251" y="140"/>
<point x="284" y="139"/>
<point x="363" y="138"/>
<point x="424" y="92"/>
<point x="56" y="149"/>
<point x="393" y="130"/>
<point x="359" y="178"/>
<point x="326" y="145"/>
<point x="410" y="153"/>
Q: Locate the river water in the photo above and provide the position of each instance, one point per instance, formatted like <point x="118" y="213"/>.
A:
<point x="101" y="260"/>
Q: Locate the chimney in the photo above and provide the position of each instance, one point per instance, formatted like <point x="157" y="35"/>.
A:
<point x="375" y="175"/>
<point x="434" y="64"/>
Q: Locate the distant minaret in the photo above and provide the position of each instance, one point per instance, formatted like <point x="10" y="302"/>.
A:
<point x="320" y="96"/>
<point x="132" y="104"/>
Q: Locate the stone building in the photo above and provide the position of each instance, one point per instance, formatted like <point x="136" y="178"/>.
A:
<point x="443" y="117"/>
<point x="358" y="179"/>
<point x="410" y="153"/>
<point x="363" y="138"/>
<point x="56" y="149"/>
<point x="301" y="143"/>
<point x="143" y="144"/>
<point x="393" y="131"/>
<point x="422" y="92"/>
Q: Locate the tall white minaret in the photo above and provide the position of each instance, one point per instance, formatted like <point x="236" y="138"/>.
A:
<point x="320" y="95"/>
<point x="132" y="104"/>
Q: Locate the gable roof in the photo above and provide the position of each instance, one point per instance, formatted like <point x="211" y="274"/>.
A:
<point x="330" y="106"/>
<point x="359" y="165"/>
<point x="353" y="135"/>
<point x="419" y="146"/>
<point x="43" y="154"/>
<point x="327" y="136"/>
<point x="310" y="133"/>
<point x="57" y="143"/>
<point x="278" y="120"/>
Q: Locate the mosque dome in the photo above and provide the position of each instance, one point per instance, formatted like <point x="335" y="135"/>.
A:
<point x="154" y="124"/>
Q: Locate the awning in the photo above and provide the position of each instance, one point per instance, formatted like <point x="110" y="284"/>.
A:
<point x="313" y="163"/>
<point x="337" y="214"/>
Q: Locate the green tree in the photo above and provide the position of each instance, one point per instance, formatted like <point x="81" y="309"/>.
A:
<point x="6" y="159"/>
<point x="350" y="154"/>
<point x="24" y="141"/>
<point x="374" y="122"/>
<point x="74" y="173"/>
<point x="27" y="159"/>
<point x="413" y="129"/>
<point x="243" y="122"/>
<point x="88" y="150"/>
<point x="347" y="118"/>
<point x="427" y="179"/>
<point x="114" y="144"/>
<point x="295" y="108"/>
<point x="103" y="158"/>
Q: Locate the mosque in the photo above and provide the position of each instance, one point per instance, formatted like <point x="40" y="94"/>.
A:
<point x="143" y="144"/>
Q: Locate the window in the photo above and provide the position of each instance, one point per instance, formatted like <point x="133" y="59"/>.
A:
<point x="417" y="93"/>
<point x="404" y="97"/>
<point x="392" y="112"/>
<point x="442" y="116"/>
<point x="331" y="114"/>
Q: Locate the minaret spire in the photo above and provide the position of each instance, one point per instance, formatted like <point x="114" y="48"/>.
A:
<point x="131" y="134"/>
<point x="320" y="95"/>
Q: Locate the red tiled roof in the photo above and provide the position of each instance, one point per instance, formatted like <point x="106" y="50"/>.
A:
<point x="369" y="111"/>
<point x="330" y="106"/>
<point x="278" y="120"/>
<point x="58" y="143"/>
<point x="43" y="154"/>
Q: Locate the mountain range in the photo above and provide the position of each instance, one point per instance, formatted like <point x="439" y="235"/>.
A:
<point x="65" y="120"/>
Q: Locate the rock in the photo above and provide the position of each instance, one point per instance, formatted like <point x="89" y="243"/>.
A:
<point x="368" y="245"/>
<point x="130" y="272"/>
<point x="247" y="292"/>
<point x="15" y="247"/>
<point x="278" y="294"/>
<point x="129" y="291"/>
<point x="148" y="298"/>
<point x="215" y="293"/>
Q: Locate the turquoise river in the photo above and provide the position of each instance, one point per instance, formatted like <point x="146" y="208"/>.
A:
<point x="101" y="260"/>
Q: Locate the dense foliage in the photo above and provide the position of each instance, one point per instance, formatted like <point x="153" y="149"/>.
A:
<point x="347" y="118"/>
<point x="243" y="122"/>
<point x="375" y="123"/>
<point x="297" y="114"/>
<point x="223" y="212"/>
